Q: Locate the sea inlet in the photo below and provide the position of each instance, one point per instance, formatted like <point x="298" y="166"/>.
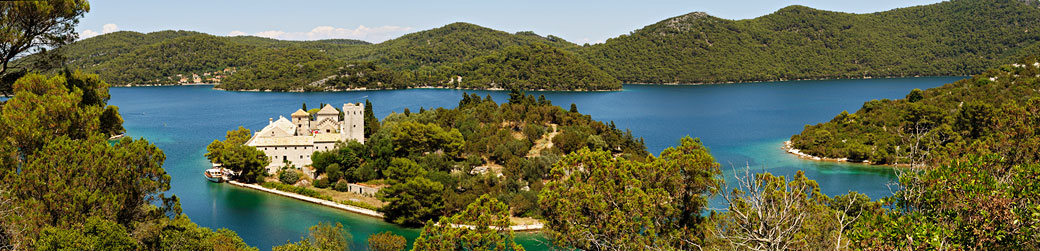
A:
<point x="744" y="125"/>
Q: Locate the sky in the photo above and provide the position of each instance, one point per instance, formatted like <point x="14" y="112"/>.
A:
<point x="579" y="21"/>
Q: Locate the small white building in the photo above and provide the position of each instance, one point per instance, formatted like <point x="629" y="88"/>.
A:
<point x="285" y="141"/>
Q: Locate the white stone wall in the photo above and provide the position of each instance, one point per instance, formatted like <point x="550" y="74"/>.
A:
<point x="362" y="190"/>
<point x="303" y="125"/>
<point x="299" y="156"/>
<point x="324" y="146"/>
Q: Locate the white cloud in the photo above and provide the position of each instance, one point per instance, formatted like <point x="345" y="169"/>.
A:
<point x="236" y="33"/>
<point x="589" y="41"/>
<point x="371" y="34"/>
<point x="87" y="34"/>
<point x="109" y="28"/>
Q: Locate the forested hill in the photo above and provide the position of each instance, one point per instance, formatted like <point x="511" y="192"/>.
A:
<point x="950" y="38"/>
<point x="996" y="112"/>
<point x="959" y="37"/>
<point x="453" y="43"/>
<point x="442" y="57"/>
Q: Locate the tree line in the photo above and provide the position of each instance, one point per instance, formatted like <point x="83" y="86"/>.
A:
<point x="797" y="42"/>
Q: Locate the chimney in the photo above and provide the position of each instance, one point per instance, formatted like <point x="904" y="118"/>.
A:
<point x="270" y="121"/>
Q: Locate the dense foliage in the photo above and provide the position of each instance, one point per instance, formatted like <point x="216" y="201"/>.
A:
<point x="386" y="241"/>
<point x="595" y="201"/>
<point x="993" y="112"/>
<point x="959" y="37"/>
<point x="971" y="202"/>
<point x="484" y="225"/>
<point x="248" y="163"/>
<point x="322" y="237"/>
<point x="535" y="66"/>
<point x="976" y="139"/>
<point x="66" y="187"/>
<point x="281" y="69"/>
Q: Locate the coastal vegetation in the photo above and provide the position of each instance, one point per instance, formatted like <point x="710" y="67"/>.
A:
<point x="501" y="150"/>
<point x="247" y="162"/>
<point x="321" y="237"/>
<point x="386" y="241"/>
<point x="972" y="144"/>
<point x="596" y="201"/>
<point x="65" y="186"/>
<point x="993" y="112"/>
<point x="479" y="227"/>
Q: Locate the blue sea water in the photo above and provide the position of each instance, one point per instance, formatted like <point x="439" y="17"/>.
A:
<point x="744" y="125"/>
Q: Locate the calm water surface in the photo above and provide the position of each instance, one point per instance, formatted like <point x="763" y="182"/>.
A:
<point x="743" y="124"/>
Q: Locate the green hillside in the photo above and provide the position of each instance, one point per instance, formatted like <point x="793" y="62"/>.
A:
<point x="959" y="37"/>
<point x="434" y="57"/>
<point x="530" y="67"/>
<point x="996" y="112"/>
<point x="950" y="38"/>
<point x="453" y="43"/>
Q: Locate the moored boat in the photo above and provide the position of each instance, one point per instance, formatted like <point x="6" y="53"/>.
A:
<point x="117" y="136"/>
<point x="214" y="175"/>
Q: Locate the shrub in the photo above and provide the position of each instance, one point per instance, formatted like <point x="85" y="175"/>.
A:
<point x="333" y="172"/>
<point x="289" y="177"/>
<point x="366" y="173"/>
<point x="321" y="183"/>
<point x="295" y="189"/>
<point x="386" y="241"/>
<point x="342" y="186"/>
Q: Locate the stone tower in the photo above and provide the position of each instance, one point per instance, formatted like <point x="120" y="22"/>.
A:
<point x="353" y="126"/>
<point x="302" y="120"/>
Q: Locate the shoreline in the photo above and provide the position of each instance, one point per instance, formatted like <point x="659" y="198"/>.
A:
<point x="784" y="80"/>
<point x="788" y="147"/>
<point x="548" y="90"/>
<point x="348" y="208"/>
<point x="420" y="87"/>
<point x="359" y="210"/>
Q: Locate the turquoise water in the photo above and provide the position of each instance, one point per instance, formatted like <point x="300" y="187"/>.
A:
<point x="743" y="124"/>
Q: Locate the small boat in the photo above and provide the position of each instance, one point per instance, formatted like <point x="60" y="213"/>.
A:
<point x="215" y="174"/>
<point x="117" y="136"/>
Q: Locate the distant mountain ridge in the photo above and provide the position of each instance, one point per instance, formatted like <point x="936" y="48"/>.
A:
<point x="959" y="37"/>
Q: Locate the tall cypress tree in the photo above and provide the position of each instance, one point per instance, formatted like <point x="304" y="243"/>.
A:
<point x="371" y="122"/>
